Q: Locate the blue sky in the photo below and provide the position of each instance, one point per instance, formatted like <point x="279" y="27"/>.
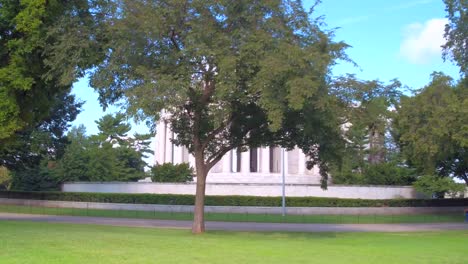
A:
<point x="390" y="39"/>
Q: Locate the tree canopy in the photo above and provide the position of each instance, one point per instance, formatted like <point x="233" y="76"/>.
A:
<point x="44" y="141"/>
<point x="26" y="93"/>
<point x="28" y="153"/>
<point x="225" y="75"/>
<point x="432" y="128"/>
<point x="370" y="155"/>
<point x="456" y="33"/>
<point x="107" y="156"/>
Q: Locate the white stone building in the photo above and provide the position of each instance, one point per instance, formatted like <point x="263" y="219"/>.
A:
<point x="259" y="165"/>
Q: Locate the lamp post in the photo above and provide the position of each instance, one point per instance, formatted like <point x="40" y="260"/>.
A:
<point x="283" y="176"/>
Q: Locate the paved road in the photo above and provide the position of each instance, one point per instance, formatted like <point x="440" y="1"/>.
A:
<point x="237" y="226"/>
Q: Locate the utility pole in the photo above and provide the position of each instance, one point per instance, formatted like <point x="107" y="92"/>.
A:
<point x="283" y="176"/>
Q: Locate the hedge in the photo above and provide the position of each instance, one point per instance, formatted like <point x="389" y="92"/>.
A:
<point x="171" y="199"/>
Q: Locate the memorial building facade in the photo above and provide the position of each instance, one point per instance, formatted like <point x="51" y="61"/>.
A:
<point x="255" y="166"/>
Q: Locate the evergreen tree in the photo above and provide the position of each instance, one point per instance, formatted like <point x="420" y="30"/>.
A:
<point x="368" y="110"/>
<point x="108" y="156"/>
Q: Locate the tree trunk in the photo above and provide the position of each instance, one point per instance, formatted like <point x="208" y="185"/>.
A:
<point x="376" y="146"/>
<point x="199" y="211"/>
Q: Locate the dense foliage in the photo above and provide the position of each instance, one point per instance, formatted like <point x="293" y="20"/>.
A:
<point x="228" y="74"/>
<point x="439" y="186"/>
<point x="371" y="155"/>
<point x="111" y="155"/>
<point x="169" y="172"/>
<point x="43" y="158"/>
<point x="30" y="153"/>
<point x="388" y="173"/>
<point x="5" y="178"/>
<point x="35" y="101"/>
<point x="27" y="91"/>
<point x="456" y="33"/>
<point x="171" y="199"/>
<point x="432" y="128"/>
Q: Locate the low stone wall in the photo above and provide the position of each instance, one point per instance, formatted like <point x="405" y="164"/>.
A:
<point x="292" y="190"/>
<point x="239" y="209"/>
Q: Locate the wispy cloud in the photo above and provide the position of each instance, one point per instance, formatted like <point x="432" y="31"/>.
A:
<point x="422" y="42"/>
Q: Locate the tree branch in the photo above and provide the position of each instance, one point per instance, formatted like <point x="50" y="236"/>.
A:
<point x="172" y="34"/>
<point x="218" y="156"/>
<point x="213" y="133"/>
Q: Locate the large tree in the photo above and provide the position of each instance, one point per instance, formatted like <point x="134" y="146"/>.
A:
<point x="46" y="140"/>
<point x="368" y="109"/>
<point x="26" y="93"/>
<point x="456" y="33"/>
<point x="371" y="155"/>
<point x="226" y="75"/>
<point x="27" y="153"/>
<point x="433" y="128"/>
<point x="35" y="83"/>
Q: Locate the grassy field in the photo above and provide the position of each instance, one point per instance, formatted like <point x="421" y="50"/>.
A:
<point x="265" y="218"/>
<point x="27" y="242"/>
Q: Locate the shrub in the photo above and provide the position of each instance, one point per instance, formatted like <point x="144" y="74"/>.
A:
<point x="171" y="199"/>
<point x="438" y="186"/>
<point x="389" y="173"/>
<point x="169" y="172"/>
<point x="5" y="178"/>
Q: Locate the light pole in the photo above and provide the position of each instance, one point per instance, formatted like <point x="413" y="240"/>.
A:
<point x="283" y="176"/>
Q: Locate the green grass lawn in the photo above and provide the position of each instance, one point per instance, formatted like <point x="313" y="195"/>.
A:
<point x="28" y="242"/>
<point x="265" y="218"/>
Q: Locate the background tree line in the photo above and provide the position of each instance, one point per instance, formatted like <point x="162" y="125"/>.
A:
<point x="110" y="155"/>
<point x="394" y="138"/>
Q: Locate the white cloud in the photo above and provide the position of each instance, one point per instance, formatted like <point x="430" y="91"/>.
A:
<point x="422" y="42"/>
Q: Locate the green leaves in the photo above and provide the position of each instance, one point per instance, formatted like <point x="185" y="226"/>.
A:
<point x="5" y="178"/>
<point x="432" y="185"/>
<point x="432" y="128"/>
<point x="110" y="155"/>
<point x="456" y="33"/>
<point x="169" y="172"/>
<point x="26" y="92"/>
<point x="111" y="127"/>
<point x="367" y="108"/>
<point x="227" y="74"/>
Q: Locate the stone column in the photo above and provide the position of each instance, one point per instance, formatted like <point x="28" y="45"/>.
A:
<point x="157" y="144"/>
<point x="245" y="162"/>
<point x="178" y="154"/>
<point x="169" y="147"/>
<point x="161" y="142"/>
<point x="227" y="162"/>
<point x="302" y="166"/>
<point x="286" y="162"/>
<point x="265" y="160"/>
<point x="234" y="160"/>
<point x="192" y="161"/>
